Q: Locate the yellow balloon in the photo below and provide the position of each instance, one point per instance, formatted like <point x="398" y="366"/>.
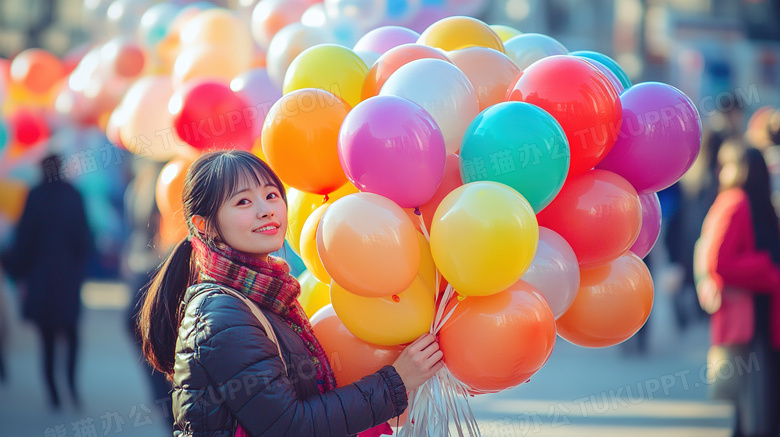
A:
<point x="301" y="204"/>
<point x="328" y="67"/>
<point x="314" y="294"/>
<point x="220" y="27"/>
<point x="483" y="237"/>
<point x="427" y="270"/>
<point x="505" y="32"/>
<point x="311" y="259"/>
<point x="455" y="33"/>
<point x="386" y="321"/>
<point x="13" y="196"/>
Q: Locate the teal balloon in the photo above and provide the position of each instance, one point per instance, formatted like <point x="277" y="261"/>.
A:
<point x="520" y="145"/>
<point x="607" y="62"/>
<point x="5" y="135"/>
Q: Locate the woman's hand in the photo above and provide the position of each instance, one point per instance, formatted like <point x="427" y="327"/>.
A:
<point x="419" y="361"/>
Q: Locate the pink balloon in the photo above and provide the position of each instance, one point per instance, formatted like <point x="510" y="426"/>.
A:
<point x="651" y="225"/>
<point x="257" y="89"/>
<point x="659" y="138"/>
<point x="385" y="38"/>
<point x="554" y="271"/>
<point x="392" y="147"/>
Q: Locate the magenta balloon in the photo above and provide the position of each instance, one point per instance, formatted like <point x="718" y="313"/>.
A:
<point x="392" y="147"/>
<point x="659" y="138"/>
<point x="385" y="38"/>
<point x="651" y="224"/>
<point x="257" y="89"/>
<point x="554" y="271"/>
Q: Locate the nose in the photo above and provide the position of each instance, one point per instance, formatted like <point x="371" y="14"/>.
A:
<point x="264" y="210"/>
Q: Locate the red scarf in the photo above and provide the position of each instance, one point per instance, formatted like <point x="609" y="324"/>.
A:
<point x="270" y="284"/>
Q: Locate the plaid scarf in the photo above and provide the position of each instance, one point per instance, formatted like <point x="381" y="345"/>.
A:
<point x="270" y="285"/>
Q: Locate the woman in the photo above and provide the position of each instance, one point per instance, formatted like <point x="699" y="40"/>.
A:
<point x="740" y="254"/>
<point x="227" y="373"/>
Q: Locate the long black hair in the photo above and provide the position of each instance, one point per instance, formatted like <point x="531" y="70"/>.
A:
<point x="211" y="180"/>
<point x="753" y="177"/>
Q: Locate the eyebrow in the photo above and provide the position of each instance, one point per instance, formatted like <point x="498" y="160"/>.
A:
<point x="245" y="189"/>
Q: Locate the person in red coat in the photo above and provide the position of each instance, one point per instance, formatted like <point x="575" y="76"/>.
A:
<point x="740" y="256"/>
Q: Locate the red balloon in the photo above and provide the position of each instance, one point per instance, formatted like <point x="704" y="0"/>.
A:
<point x="598" y="213"/>
<point x="582" y="100"/>
<point x="495" y="342"/>
<point x="37" y="70"/>
<point x="29" y="127"/>
<point x="208" y="115"/>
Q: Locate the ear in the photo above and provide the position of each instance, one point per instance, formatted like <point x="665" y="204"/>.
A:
<point x="200" y="223"/>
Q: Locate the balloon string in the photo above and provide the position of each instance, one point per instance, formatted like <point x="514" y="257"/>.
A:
<point x="422" y="225"/>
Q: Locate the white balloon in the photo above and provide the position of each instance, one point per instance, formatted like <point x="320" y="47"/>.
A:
<point x="289" y="43"/>
<point x="442" y="90"/>
<point x="527" y="48"/>
<point x="554" y="271"/>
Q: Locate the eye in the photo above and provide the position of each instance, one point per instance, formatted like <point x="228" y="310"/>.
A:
<point x="273" y="195"/>
<point x="243" y="201"/>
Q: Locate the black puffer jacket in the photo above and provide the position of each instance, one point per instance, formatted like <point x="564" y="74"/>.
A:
<point x="227" y="369"/>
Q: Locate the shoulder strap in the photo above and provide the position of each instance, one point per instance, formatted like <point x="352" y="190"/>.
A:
<point x="269" y="330"/>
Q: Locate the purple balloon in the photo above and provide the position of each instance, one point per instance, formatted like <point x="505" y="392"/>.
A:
<point x="659" y="138"/>
<point x="385" y="38"/>
<point x="257" y="89"/>
<point x="554" y="272"/>
<point x="651" y="224"/>
<point x="392" y="147"/>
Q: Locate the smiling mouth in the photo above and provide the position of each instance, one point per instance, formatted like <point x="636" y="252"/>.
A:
<point x="266" y="228"/>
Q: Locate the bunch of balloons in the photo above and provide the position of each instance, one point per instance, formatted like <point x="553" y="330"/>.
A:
<point x="498" y="191"/>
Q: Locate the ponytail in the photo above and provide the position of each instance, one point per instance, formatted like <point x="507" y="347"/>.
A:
<point x="160" y="315"/>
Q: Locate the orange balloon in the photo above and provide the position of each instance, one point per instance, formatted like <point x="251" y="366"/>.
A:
<point x="308" y="245"/>
<point x="37" y="70"/>
<point x="173" y="229"/>
<point x="209" y="61"/>
<point x="460" y="32"/>
<point x="300" y="139"/>
<point x="13" y="196"/>
<point x="450" y="181"/>
<point x="496" y="342"/>
<point x="170" y="186"/>
<point x="613" y="302"/>
<point x="368" y="245"/>
<point x="391" y="61"/>
<point x="490" y="71"/>
<point x="350" y="357"/>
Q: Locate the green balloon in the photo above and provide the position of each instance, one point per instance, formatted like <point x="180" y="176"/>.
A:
<point x="520" y="145"/>
<point x="608" y="62"/>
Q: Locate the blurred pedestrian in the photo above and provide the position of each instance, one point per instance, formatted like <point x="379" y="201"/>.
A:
<point x="738" y="273"/>
<point x="48" y="260"/>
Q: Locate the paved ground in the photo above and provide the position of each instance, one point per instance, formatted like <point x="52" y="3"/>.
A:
<point x="580" y="392"/>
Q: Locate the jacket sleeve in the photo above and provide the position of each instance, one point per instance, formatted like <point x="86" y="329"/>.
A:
<point x="244" y="363"/>
<point x="736" y="259"/>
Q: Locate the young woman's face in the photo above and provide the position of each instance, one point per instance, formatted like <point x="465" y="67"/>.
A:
<point x="254" y="220"/>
